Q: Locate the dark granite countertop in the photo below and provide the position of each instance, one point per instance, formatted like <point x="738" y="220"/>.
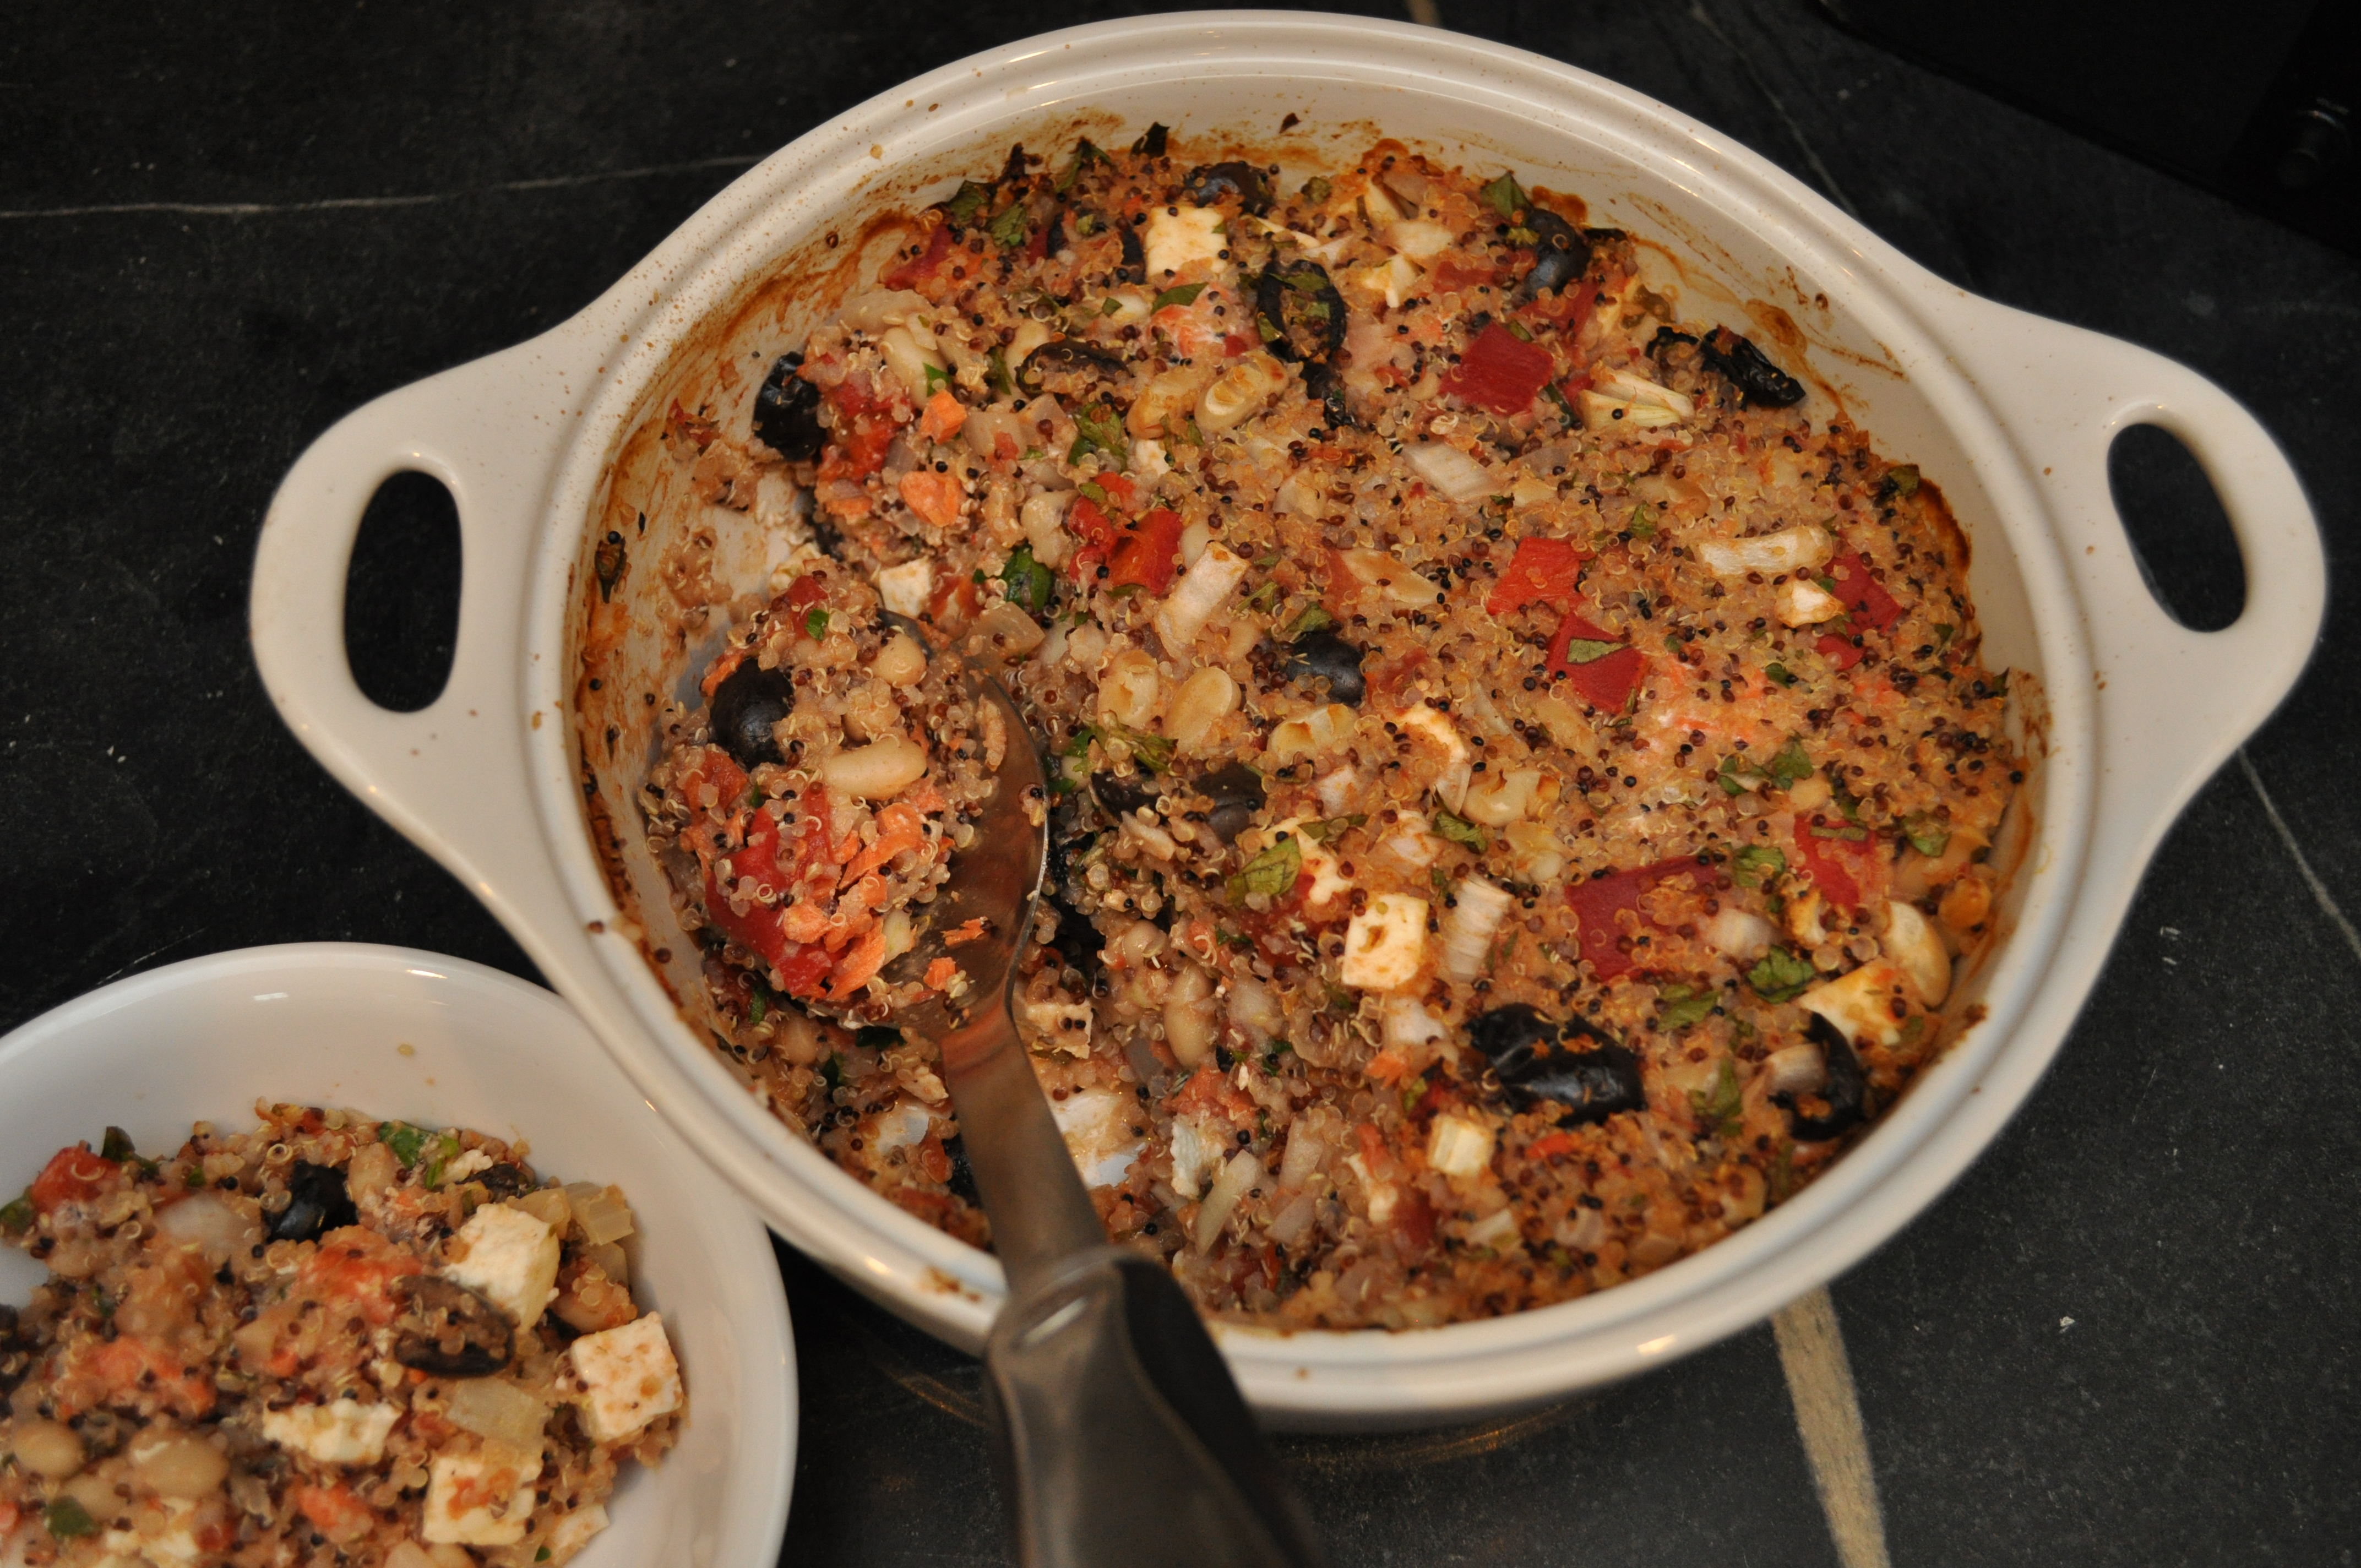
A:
<point x="2128" y="1335"/>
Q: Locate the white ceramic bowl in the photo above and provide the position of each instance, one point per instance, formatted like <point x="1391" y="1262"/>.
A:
<point x="2012" y="415"/>
<point x="429" y="1040"/>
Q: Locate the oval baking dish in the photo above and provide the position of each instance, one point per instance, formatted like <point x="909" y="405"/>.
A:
<point x="522" y="786"/>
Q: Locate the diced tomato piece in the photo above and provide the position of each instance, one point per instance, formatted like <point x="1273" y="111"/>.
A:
<point x="1846" y="871"/>
<point x="922" y="267"/>
<point x="954" y="604"/>
<point x="335" y="1512"/>
<point x="1087" y="522"/>
<point x="1549" y="1145"/>
<point x="784" y="874"/>
<point x="1570" y="307"/>
<point x="1838" y="650"/>
<point x="804" y="591"/>
<point x="1865" y="596"/>
<point x="1121" y="489"/>
<point x="1145" y="558"/>
<point x="1597" y="902"/>
<point x="865" y="427"/>
<point x="354" y="1270"/>
<point x="801" y="970"/>
<point x="1414" y="1220"/>
<point x="1210" y="1090"/>
<point x="1543" y="571"/>
<point x="1607" y="682"/>
<point x="1454" y="276"/>
<point x="1237" y="343"/>
<point x="1499" y="372"/>
<point x="72" y="1176"/>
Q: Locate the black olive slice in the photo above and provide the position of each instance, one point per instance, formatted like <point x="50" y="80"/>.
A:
<point x="448" y="1330"/>
<point x="1134" y="255"/>
<point x="962" y="1181"/>
<point x="744" y="707"/>
<point x="1242" y="182"/>
<point x="316" y="1204"/>
<point x="504" y="1180"/>
<point x="1068" y="353"/>
<point x="1120" y="794"/>
<point x="1560" y="255"/>
<point x="1077" y="942"/>
<point x="786" y="413"/>
<point x="1537" y="1057"/>
<point x="1325" y="655"/>
<point x="1323" y="385"/>
<point x="1845" y="1092"/>
<point x="1298" y="311"/>
<point x="1236" y="792"/>
<point x="1761" y="384"/>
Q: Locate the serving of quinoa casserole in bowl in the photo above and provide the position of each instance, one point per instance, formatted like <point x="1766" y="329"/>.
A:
<point x="1568" y="801"/>
<point x="239" y="1328"/>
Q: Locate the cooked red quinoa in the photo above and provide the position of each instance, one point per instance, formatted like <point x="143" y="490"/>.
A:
<point x="1526" y="785"/>
<point x="325" y="1340"/>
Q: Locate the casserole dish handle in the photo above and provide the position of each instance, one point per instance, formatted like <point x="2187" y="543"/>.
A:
<point x="451" y="776"/>
<point x="2173" y="703"/>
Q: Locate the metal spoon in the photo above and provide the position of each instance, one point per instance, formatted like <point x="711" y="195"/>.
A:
<point x="1120" y="1437"/>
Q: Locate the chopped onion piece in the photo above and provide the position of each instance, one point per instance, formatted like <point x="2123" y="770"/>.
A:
<point x="1467" y="935"/>
<point x="1453" y="473"/>
<point x="1798" y="1070"/>
<point x="1242" y="1172"/>
<point x="1198" y="593"/>
<point x="600" y="1210"/>
<point x="1795" y="549"/>
<point x="497" y="1409"/>
<point x="1740" y="933"/>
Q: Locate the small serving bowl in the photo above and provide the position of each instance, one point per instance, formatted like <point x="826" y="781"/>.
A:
<point x="429" y="1040"/>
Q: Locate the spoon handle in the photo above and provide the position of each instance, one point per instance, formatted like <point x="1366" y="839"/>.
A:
<point x="1040" y="1211"/>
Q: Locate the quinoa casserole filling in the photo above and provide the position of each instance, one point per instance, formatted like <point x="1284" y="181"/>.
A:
<point x="329" y="1340"/>
<point x="1524" y="787"/>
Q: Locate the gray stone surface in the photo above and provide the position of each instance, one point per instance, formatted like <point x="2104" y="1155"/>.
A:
<point x="2182" y="1188"/>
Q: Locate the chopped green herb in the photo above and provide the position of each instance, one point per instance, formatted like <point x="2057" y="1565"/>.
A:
<point x="816" y="624"/>
<point x="1737" y="776"/>
<point x="1268" y="328"/>
<point x="1010" y="228"/>
<point x="1780" y="674"/>
<point x="1086" y="224"/>
<point x="1317" y="188"/>
<point x="1720" y="1105"/>
<point x="1505" y="196"/>
<point x="1903" y="477"/>
<point x="1153" y="752"/>
<point x="1780" y="976"/>
<point x="758" y="1002"/>
<point x="1559" y="398"/>
<point x="1315" y="619"/>
<point x="936" y="380"/>
<point x="1188" y="431"/>
<point x="832" y="1070"/>
<point x="194" y="1178"/>
<point x="404" y="1140"/>
<point x="1586" y="650"/>
<point x="1412" y="1092"/>
<point x="1440" y="879"/>
<point x="1271" y="873"/>
<point x="68" y="1519"/>
<point x="1520" y="330"/>
<point x="967" y="201"/>
<point x="1328" y="829"/>
<point x="1643" y="521"/>
<point x="1030" y="583"/>
<point x="17" y="1214"/>
<point x="1927" y="835"/>
<point x="1521" y="236"/>
<point x="1677" y="1006"/>
<point x="1186" y="295"/>
<point x="1263" y="599"/>
<point x="1084" y="156"/>
<point x="1944" y="632"/>
<point x="542" y="1555"/>
<point x="1032" y="454"/>
<point x="116" y="1145"/>
<point x="1671" y="641"/>
<point x="1459" y="830"/>
<point x="1098" y="428"/>
<point x="445" y="1150"/>
<point x="1093" y="490"/>
<point x="1855" y="835"/>
<point x="1757" y="865"/>
<point x="1790" y="766"/>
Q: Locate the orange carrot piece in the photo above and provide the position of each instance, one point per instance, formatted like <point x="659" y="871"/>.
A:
<point x="934" y="496"/>
<point x="943" y="417"/>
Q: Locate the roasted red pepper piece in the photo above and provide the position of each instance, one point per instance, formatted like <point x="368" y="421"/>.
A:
<point x="1499" y="372"/>
<point x="864" y="429"/>
<point x="1596" y="902"/>
<point x="1846" y="871"/>
<point x="72" y="1176"/>
<point x="1543" y="571"/>
<point x="921" y="268"/>
<point x="1838" y="650"/>
<point x="1605" y="682"/>
<point x="1865" y="598"/>
<point x="1145" y="558"/>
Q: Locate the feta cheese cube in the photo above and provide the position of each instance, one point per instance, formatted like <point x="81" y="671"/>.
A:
<point x="479" y="1500"/>
<point x="1328" y="881"/>
<point x="906" y="589"/>
<point x="1176" y="237"/>
<point x="1459" y="1145"/>
<point x="345" y="1432"/>
<point x="1096" y="1124"/>
<point x="510" y="1256"/>
<point x="1386" y="943"/>
<point x="629" y="1378"/>
<point x="573" y="1532"/>
<point x="1197" y="1142"/>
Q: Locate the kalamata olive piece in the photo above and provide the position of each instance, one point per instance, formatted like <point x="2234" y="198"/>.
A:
<point x="1537" y="1057"/>
<point x="1236" y="792"/>
<point x="1134" y="255"/>
<point x="1077" y="943"/>
<point x="1845" y="1091"/>
<point x="1760" y="383"/>
<point x="1120" y="794"/>
<point x="962" y="1181"/>
<point x="1560" y="255"/>
<point x="1068" y="353"/>
<point x="316" y="1204"/>
<point x="786" y="413"/>
<point x="16" y="1361"/>
<point x="744" y="707"/>
<point x="504" y="1180"/>
<point x="446" y="1330"/>
<point x="1298" y="311"/>
<point x="1324" y="654"/>
<point x="1323" y="385"/>
<point x="1208" y="184"/>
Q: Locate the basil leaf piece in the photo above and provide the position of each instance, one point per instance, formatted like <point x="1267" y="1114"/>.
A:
<point x="1271" y="873"/>
<point x="1790" y="766"/>
<point x="1315" y="619"/>
<point x="1030" y="583"/>
<point x="1010" y="227"/>
<point x="404" y="1140"/>
<point x="1585" y="651"/>
<point x="1926" y="836"/>
<point x="1505" y="196"/>
<point x="1677" y="1007"/>
<point x="1186" y="295"/>
<point x="1779" y="674"/>
<point x="1459" y="830"/>
<point x="1780" y="976"/>
<point x="1757" y="865"/>
<point x="816" y="624"/>
<point x="1720" y="1105"/>
<point x="967" y="201"/>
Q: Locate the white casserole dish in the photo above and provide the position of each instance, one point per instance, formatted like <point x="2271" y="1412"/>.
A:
<point x="430" y="1039"/>
<point x="2012" y="415"/>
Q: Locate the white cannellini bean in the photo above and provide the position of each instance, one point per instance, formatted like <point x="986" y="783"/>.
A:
<point x="1911" y="942"/>
<point x="984" y="427"/>
<point x="1503" y="797"/>
<point x="1238" y="392"/>
<point x="881" y="307"/>
<point x="1253" y="1009"/>
<point x="1390" y="578"/>
<point x="1007" y="630"/>
<point x="910" y="359"/>
<point x="1467" y="934"/>
<point x="1194" y="539"/>
<point x="901" y="662"/>
<point x="1798" y="1070"/>
<point x="1740" y="933"/>
<point x="1188" y="1014"/>
<point x="1319" y="731"/>
<point x="1044" y="517"/>
<point x="1453" y="472"/>
<point x="1239" y="1174"/>
<point x="878" y="770"/>
<point x="1198" y="594"/>
<point x="1203" y="700"/>
<point x="1860" y="1003"/>
<point x="1131" y="688"/>
<point x="1029" y="335"/>
<point x="1796" y="549"/>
